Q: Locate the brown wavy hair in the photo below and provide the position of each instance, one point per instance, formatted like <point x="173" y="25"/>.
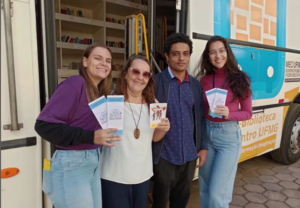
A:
<point x="104" y="87"/>
<point x="148" y="92"/>
<point x="237" y="80"/>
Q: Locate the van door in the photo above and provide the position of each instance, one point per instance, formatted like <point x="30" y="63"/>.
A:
<point x="20" y="149"/>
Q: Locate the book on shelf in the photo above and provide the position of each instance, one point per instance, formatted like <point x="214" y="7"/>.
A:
<point x="69" y="11"/>
<point x="74" y="65"/>
<point x="79" y="13"/>
<point x="122" y="22"/>
<point x="113" y="20"/>
<point x="68" y="39"/>
<point x="115" y="44"/>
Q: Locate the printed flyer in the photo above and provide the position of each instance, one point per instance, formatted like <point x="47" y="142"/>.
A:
<point x="115" y="113"/>
<point x="100" y="111"/>
<point x="157" y="113"/>
<point x="215" y="97"/>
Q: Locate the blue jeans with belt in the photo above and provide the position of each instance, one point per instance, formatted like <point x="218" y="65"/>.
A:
<point x="74" y="179"/>
<point x="217" y="175"/>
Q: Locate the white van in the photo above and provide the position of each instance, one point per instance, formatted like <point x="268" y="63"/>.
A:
<point x="42" y="42"/>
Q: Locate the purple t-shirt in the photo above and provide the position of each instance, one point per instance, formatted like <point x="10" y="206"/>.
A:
<point x="69" y="105"/>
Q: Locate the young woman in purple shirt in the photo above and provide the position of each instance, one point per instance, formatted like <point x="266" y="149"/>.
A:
<point x="73" y="179"/>
<point x="219" y="69"/>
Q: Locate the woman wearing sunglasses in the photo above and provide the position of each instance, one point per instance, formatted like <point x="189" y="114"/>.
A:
<point x="126" y="169"/>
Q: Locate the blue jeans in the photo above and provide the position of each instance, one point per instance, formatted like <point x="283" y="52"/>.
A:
<point x="74" y="179"/>
<point x="216" y="176"/>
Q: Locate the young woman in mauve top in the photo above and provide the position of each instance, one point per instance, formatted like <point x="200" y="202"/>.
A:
<point x="73" y="181"/>
<point x="219" y="69"/>
<point x="127" y="168"/>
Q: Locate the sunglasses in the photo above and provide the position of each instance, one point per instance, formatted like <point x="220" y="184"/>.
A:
<point x="137" y="72"/>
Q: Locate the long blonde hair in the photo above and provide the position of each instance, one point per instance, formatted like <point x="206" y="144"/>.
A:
<point x="104" y="87"/>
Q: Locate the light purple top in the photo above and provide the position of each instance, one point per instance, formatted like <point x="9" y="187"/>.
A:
<point x="69" y="105"/>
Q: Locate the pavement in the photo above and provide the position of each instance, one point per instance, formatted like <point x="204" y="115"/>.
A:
<point x="261" y="183"/>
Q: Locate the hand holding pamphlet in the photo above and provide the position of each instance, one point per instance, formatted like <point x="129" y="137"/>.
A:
<point x="109" y="112"/>
<point x="215" y="97"/>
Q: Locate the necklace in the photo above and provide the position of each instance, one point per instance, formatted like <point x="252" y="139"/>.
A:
<point x="136" y="130"/>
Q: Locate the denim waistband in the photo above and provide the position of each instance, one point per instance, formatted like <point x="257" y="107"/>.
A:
<point x="76" y="153"/>
<point x="220" y="124"/>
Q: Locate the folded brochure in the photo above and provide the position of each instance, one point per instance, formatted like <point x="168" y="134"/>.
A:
<point x="99" y="109"/>
<point x="215" y="97"/>
<point x="115" y="113"/>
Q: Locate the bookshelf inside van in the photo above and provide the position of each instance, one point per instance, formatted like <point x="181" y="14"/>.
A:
<point x="81" y="23"/>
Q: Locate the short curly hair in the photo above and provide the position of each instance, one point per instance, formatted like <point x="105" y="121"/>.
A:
<point x="177" y="38"/>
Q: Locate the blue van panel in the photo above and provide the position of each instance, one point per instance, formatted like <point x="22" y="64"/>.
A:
<point x="254" y="61"/>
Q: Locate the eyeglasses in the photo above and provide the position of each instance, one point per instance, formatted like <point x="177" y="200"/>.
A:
<point x="214" y="53"/>
<point x="137" y="72"/>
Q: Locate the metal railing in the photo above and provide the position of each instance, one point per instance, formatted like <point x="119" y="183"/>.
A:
<point x="14" y="126"/>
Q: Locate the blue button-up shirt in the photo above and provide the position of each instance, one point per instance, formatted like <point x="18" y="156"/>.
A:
<point x="179" y="146"/>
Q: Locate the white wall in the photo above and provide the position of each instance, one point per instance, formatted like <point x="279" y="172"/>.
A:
<point x="200" y="20"/>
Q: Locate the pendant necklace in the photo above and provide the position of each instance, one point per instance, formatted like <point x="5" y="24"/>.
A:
<point x="136" y="130"/>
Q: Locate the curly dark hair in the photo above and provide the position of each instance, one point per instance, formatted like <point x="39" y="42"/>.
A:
<point x="148" y="92"/>
<point x="177" y="38"/>
<point x="238" y="81"/>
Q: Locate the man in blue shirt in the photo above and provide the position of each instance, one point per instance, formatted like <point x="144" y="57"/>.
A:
<point x="175" y="155"/>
